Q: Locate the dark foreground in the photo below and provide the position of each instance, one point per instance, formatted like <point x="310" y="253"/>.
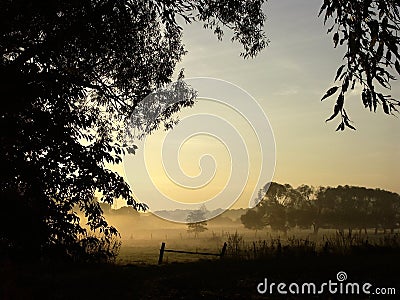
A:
<point x="208" y="279"/>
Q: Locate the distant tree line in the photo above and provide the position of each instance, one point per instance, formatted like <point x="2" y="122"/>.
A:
<point x="282" y="207"/>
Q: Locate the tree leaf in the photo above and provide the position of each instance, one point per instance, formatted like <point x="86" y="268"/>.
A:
<point x="366" y="98"/>
<point x="392" y="107"/>
<point x="388" y="57"/>
<point x="340" y="127"/>
<point x="345" y="85"/>
<point x="397" y="66"/>
<point x="330" y="92"/>
<point x="393" y="47"/>
<point x="336" y="39"/>
<point x="382" y="81"/>
<point x="330" y="29"/>
<point x="385" y="107"/>
<point x="346" y="121"/>
<point x="353" y="84"/>
<point x="132" y="149"/>
<point x="379" y="51"/>
<point x="338" y="107"/>
<point x="323" y="7"/>
<point x="339" y="71"/>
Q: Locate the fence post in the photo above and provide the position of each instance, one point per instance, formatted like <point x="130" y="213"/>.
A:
<point x="223" y="250"/>
<point x="160" y="258"/>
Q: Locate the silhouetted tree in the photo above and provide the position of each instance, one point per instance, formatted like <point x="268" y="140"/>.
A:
<point x="253" y="219"/>
<point x="274" y="206"/>
<point x="302" y="210"/>
<point x="71" y="72"/>
<point x="282" y="207"/>
<point x="386" y="210"/>
<point x="349" y="207"/>
<point x="196" y="221"/>
<point x="276" y="216"/>
<point x="341" y="208"/>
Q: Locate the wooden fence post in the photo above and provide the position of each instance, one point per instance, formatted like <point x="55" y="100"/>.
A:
<point x="162" y="250"/>
<point x="160" y="258"/>
<point x="223" y="250"/>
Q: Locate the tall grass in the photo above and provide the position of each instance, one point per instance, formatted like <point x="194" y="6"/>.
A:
<point x="98" y="249"/>
<point x="336" y="244"/>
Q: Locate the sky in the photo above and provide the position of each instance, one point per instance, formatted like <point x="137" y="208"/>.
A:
<point x="287" y="80"/>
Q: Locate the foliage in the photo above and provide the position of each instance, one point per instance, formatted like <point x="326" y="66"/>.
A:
<point x="280" y="207"/>
<point x="369" y="29"/>
<point x="344" y="207"/>
<point x="234" y="243"/>
<point x="95" y="249"/>
<point x="71" y="72"/>
<point x="253" y="219"/>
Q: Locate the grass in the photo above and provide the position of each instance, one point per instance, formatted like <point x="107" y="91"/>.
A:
<point x="245" y="245"/>
<point x="333" y="244"/>
<point x="136" y="275"/>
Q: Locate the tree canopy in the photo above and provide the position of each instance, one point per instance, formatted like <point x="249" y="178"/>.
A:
<point x="71" y="72"/>
<point x="283" y="207"/>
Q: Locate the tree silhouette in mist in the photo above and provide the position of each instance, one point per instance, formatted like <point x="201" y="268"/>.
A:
<point x="283" y="207"/>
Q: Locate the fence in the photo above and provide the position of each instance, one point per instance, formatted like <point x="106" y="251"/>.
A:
<point x="162" y="250"/>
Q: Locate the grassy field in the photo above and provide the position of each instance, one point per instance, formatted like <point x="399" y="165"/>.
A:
<point x="251" y="257"/>
<point x="241" y="241"/>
